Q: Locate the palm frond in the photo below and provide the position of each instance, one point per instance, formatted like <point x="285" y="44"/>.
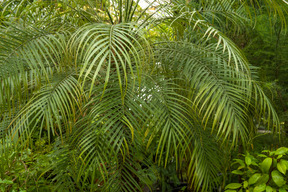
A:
<point x="204" y="162"/>
<point x="109" y="48"/>
<point x="28" y="56"/>
<point x="52" y="107"/>
<point x="222" y="91"/>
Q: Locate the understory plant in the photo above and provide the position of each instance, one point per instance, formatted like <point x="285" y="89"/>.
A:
<point x="24" y="169"/>
<point x="264" y="172"/>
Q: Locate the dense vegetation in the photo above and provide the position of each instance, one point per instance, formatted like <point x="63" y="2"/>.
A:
<point x="124" y="95"/>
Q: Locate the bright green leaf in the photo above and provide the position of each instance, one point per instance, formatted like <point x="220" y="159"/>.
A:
<point x="279" y="156"/>
<point x="266" y="164"/>
<point x="262" y="155"/>
<point x="240" y="161"/>
<point x="263" y="179"/>
<point x="254" y="178"/>
<point x="278" y="178"/>
<point x="260" y="188"/>
<point x="269" y="189"/>
<point x="245" y="184"/>
<point x="237" y="172"/>
<point x="233" y="186"/>
<point x="281" y="151"/>
<point x="248" y="160"/>
<point x="281" y="166"/>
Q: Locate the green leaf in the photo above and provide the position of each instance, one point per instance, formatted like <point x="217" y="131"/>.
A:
<point x="265" y="151"/>
<point x="269" y="189"/>
<point x="281" y="166"/>
<point x="260" y="188"/>
<point x="266" y="164"/>
<point x="282" y="190"/>
<point x="233" y="186"/>
<point x="262" y="155"/>
<point x="237" y="172"/>
<point x="279" y="156"/>
<point x="245" y="184"/>
<point x="285" y="162"/>
<point x="229" y="190"/>
<point x="254" y="178"/>
<point x="278" y="178"/>
<point x="5" y="181"/>
<point x="248" y="160"/>
<point x="241" y="162"/>
<point x="263" y="179"/>
<point x="254" y="163"/>
<point x="281" y="151"/>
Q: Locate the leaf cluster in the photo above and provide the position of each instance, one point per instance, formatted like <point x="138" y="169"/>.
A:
<point x="268" y="174"/>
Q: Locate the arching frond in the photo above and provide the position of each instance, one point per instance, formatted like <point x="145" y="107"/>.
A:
<point x="204" y="162"/>
<point x="221" y="92"/>
<point x="28" y="56"/>
<point x="52" y="107"/>
<point x="112" y="49"/>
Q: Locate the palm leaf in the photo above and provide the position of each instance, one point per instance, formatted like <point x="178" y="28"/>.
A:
<point x="112" y="48"/>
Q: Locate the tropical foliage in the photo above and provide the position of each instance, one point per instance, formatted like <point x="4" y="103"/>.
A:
<point x="269" y="174"/>
<point x="123" y="96"/>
